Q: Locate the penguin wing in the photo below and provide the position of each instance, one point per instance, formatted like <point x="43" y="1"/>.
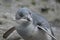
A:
<point x="7" y="33"/>
<point x="44" y="29"/>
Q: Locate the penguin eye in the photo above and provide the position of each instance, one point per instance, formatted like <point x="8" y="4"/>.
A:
<point x="21" y="15"/>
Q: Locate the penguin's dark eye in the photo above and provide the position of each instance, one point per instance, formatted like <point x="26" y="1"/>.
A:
<point x="21" y="15"/>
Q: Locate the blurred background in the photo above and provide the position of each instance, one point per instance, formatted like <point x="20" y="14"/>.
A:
<point x="50" y="9"/>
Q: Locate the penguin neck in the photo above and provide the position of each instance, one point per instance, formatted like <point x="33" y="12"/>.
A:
<point x="27" y="26"/>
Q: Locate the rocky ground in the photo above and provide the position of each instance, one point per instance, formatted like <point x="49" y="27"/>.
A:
<point x="50" y="9"/>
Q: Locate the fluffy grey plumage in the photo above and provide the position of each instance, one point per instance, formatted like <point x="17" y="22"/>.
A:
<point x="33" y="30"/>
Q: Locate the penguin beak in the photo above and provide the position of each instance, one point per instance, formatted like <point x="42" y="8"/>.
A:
<point x="28" y="19"/>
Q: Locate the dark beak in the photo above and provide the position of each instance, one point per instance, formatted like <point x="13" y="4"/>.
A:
<point x="28" y="19"/>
